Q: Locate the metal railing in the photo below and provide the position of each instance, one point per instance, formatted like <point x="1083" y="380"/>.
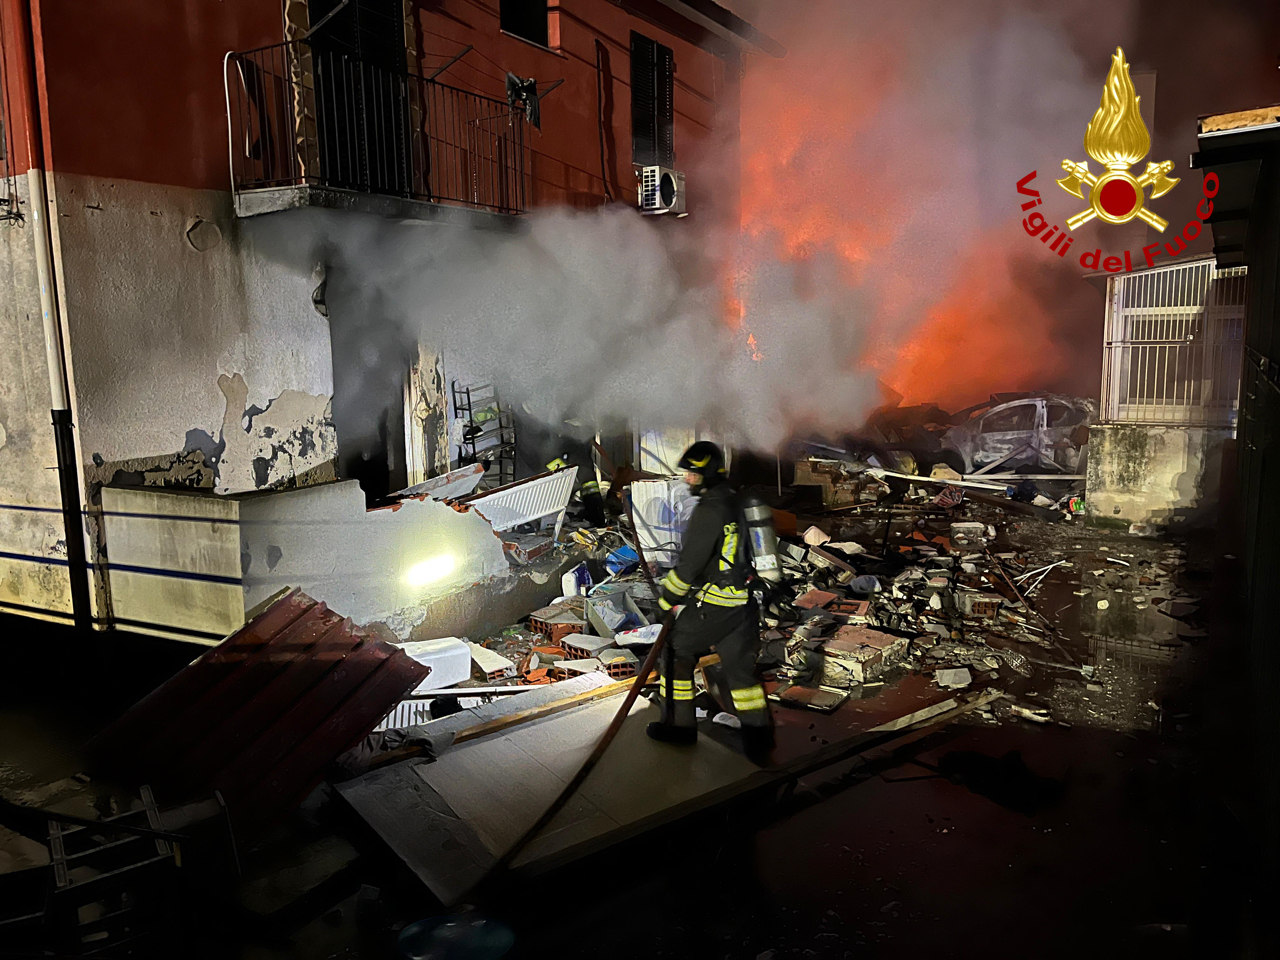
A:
<point x="1173" y="345"/>
<point x="303" y="116"/>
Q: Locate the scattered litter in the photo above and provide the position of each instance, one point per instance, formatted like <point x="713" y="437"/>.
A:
<point x="1036" y="716"/>
<point x="816" y="537"/>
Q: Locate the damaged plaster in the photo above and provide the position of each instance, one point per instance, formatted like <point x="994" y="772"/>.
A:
<point x="291" y="443"/>
<point x="426" y="417"/>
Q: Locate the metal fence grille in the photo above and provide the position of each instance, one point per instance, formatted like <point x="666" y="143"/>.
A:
<point x="1173" y="345"/>
<point x="300" y="116"/>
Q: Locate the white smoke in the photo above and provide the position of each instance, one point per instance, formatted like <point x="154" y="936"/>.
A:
<point x="606" y="316"/>
<point x="600" y="317"/>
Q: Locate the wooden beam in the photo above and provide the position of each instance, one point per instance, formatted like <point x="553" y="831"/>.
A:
<point x="499" y="724"/>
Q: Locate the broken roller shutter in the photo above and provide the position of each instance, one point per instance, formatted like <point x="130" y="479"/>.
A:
<point x="652" y="102"/>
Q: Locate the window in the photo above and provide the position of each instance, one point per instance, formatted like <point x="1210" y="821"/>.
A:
<point x="526" y="19"/>
<point x="362" y="108"/>
<point x="1019" y="419"/>
<point x="1060" y="415"/>
<point x="653" y="70"/>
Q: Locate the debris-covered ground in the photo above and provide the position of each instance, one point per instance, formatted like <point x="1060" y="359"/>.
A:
<point x="1084" y="781"/>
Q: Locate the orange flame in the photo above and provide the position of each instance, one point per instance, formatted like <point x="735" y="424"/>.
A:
<point x="815" y="163"/>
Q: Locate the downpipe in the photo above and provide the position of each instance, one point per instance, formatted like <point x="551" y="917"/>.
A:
<point x="59" y="382"/>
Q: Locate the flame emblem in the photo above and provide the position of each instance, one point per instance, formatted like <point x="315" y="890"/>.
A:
<point x="1117" y="138"/>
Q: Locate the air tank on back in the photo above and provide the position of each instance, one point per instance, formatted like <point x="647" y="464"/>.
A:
<point x="761" y="539"/>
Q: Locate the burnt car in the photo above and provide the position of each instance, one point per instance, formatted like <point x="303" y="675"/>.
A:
<point x="1048" y="432"/>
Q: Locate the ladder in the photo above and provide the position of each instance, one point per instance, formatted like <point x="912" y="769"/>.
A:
<point x="489" y="432"/>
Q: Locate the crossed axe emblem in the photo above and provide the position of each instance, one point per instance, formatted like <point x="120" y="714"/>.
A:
<point x="1123" y="198"/>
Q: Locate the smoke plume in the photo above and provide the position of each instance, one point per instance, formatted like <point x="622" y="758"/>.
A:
<point x="881" y="241"/>
<point x="599" y="317"/>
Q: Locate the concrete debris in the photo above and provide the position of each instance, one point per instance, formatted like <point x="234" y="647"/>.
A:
<point x="493" y="666"/>
<point x="573" y="668"/>
<point x="953" y="679"/>
<point x="857" y="654"/>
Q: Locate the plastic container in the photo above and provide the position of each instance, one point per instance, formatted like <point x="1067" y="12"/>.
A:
<point x="621" y="560"/>
<point x="617" y="609"/>
<point x="576" y="582"/>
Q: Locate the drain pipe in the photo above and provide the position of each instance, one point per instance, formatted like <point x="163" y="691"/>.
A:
<point x="59" y="384"/>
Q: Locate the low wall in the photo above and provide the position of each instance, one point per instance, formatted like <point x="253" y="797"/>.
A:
<point x="188" y="564"/>
<point x="484" y="609"/>
<point x="172" y="562"/>
<point x="1151" y="474"/>
<point x="371" y="565"/>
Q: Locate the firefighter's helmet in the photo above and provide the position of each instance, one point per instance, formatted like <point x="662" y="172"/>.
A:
<point x="706" y="460"/>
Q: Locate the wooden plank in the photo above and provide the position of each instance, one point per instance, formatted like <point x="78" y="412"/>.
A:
<point x="498" y="724"/>
<point x="546" y="710"/>
<point x="1031" y="476"/>
<point x="919" y="716"/>
<point x="760" y="779"/>
<point x="419" y="827"/>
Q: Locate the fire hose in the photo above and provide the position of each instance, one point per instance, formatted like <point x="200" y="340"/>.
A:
<point x="504" y="862"/>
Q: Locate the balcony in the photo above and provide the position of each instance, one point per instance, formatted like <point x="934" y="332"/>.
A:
<point x="310" y="127"/>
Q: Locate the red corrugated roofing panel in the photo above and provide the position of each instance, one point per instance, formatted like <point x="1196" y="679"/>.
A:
<point x="260" y="716"/>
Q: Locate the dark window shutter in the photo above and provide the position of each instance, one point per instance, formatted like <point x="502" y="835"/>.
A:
<point x="664" y="68"/>
<point x="652" y="102"/>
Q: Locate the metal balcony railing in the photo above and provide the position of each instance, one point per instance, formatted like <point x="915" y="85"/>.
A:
<point x="300" y="116"/>
<point x="1173" y="345"/>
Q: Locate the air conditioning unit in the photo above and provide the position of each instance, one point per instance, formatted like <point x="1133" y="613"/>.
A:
<point x="661" y="191"/>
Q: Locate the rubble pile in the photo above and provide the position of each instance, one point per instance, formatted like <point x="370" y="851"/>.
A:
<point x="606" y="627"/>
<point x="973" y="582"/>
<point x="974" y="588"/>
<point x="850" y="616"/>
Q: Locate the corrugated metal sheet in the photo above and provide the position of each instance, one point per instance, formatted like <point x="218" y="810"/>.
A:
<point x="527" y="500"/>
<point x="261" y="715"/>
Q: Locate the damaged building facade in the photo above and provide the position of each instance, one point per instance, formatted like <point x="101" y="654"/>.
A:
<point x="192" y="361"/>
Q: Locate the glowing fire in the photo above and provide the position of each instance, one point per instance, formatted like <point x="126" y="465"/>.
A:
<point x="756" y="355"/>
<point x="824" y="174"/>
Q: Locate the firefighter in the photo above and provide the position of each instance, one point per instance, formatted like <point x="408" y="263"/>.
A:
<point x="588" y="490"/>
<point x="709" y="584"/>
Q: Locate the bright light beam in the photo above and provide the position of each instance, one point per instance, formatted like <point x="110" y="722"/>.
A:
<point x="429" y="571"/>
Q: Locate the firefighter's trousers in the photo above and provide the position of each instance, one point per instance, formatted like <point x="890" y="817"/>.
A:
<point x="733" y="631"/>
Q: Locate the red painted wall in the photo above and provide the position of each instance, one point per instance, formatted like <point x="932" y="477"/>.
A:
<point x="566" y="164"/>
<point x="134" y="88"/>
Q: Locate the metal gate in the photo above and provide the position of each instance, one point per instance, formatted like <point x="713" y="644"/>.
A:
<point x="1173" y="345"/>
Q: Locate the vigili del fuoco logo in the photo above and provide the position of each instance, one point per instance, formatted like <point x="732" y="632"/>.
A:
<point x="1117" y="139"/>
